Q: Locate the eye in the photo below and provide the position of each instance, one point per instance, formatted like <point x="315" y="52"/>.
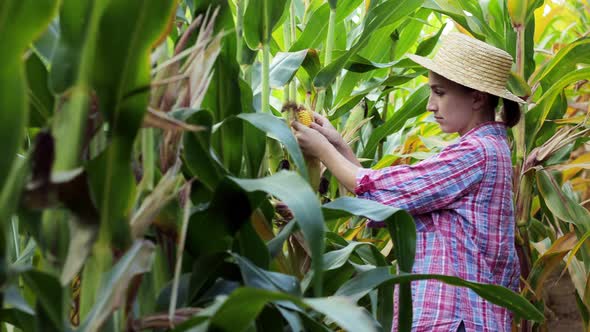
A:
<point x="436" y="90"/>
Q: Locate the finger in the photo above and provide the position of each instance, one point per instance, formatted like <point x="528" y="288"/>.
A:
<point x="319" y="118"/>
<point x="317" y="127"/>
<point x="299" y="138"/>
<point x="301" y="127"/>
<point x="295" y="125"/>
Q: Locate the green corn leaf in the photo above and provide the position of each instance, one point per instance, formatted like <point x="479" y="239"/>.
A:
<point x="316" y="29"/>
<point x="403" y="234"/>
<point x="137" y="260"/>
<point x="257" y="277"/>
<point x="277" y="129"/>
<point x="224" y="99"/>
<point x="70" y="76"/>
<point x="410" y="33"/>
<point x="560" y="204"/>
<point x="294" y="191"/>
<point x="414" y="106"/>
<point x="344" y="313"/>
<point x="225" y="96"/>
<point x="428" y="44"/>
<point x="121" y="69"/>
<point x="283" y="67"/>
<point x="198" y="157"/>
<point x="260" y="19"/>
<point x="564" y="62"/>
<point x="502" y="296"/>
<point x="18" y="319"/>
<point x="221" y="223"/>
<point x="548" y="98"/>
<point x="21" y="21"/>
<point x="386" y="14"/>
<point x="71" y="56"/>
<point x="40" y="98"/>
<point x="11" y="191"/>
<point x="254" y="139"/>
<point x="336" y="258"/>
<point x="50" y="296"/>
<point x="455" y="11"/>
<point x="238" y="311"/>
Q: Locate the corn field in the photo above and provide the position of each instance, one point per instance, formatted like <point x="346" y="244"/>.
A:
<point x="149" y="179"/>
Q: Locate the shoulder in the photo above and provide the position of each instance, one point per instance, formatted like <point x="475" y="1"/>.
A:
<point x="493" y="145"/>
<point x="495" y="152"/>
<point x="492" y="137"/>
<point x="472" y="146"/>
<point x="467" y="153"/>
<point x="487" y="144"/>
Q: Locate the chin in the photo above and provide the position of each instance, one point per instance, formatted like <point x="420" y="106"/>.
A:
<point x="447" y="130"/>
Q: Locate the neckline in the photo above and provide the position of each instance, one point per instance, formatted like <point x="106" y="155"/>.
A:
<point x="495" y="124"/>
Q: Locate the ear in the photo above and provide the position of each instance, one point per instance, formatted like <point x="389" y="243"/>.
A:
<point x="480" y="100"/>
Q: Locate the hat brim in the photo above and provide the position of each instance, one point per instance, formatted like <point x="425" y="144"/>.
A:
<point x="456" y="77"/>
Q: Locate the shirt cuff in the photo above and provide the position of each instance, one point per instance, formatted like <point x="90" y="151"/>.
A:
<point x="364" y="182"/>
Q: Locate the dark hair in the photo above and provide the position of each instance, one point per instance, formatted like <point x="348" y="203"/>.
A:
<point x="510" y="109"/>
<point x="510" y="112"/>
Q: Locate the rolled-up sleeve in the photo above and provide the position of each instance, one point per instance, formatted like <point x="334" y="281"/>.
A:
<point x="428" y="185"/>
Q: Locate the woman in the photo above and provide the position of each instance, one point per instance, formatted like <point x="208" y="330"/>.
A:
<point x="461" y="198"/>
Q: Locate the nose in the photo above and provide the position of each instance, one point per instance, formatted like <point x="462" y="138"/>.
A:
<point x="431" y="106"/>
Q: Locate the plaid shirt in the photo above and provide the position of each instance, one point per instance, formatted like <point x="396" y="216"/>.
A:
<point x="461" y="200"/>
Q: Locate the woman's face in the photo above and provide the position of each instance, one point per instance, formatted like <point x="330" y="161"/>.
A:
<point x="452" y="105"/>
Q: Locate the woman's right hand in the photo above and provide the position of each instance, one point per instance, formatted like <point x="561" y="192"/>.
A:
<point x="311" y="142"/>
<point x="323" y="125"/>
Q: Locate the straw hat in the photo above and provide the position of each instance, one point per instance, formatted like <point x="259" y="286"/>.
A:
<point x="471" y="63"/>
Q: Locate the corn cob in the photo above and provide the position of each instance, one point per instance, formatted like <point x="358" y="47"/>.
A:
<point x="299" y="113"/>
<point x="304" y="116"/>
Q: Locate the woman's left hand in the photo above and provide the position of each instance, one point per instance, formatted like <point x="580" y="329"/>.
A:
<point x="311" y="141"/>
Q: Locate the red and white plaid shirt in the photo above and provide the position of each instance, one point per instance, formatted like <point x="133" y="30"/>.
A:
<point x="461" y="200"/>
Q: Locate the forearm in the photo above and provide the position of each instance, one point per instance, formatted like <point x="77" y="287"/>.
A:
<point x="347" y="152"/>
<point x="340" y="166"/>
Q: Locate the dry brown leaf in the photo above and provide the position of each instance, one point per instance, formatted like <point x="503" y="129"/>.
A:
<point x="157" y="119"/>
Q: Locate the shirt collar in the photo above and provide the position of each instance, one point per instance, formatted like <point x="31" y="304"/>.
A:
<point x="487" y="128"/>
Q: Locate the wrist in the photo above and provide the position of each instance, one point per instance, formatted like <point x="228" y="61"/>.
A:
<point x="339" y="143"/>
<point x="326" y="147"/>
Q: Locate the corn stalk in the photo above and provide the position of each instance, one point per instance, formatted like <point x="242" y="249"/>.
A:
<point x="288" y="41"/>
<point x="235" y="247"/>
<point x="266" y="59"/>
<point x="293" y="32"/>
<point x="319" y="107"/>
<point x="523" y="180"/>
<point x="239" y="29"/>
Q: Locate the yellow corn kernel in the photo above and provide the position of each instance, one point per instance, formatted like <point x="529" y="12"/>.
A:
<point x="304" y="116"/>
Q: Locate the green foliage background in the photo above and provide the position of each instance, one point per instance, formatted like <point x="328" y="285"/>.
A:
<point x="151" y="182"/>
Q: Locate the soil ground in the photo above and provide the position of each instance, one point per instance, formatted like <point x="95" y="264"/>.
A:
<point x="561" y="310"/>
